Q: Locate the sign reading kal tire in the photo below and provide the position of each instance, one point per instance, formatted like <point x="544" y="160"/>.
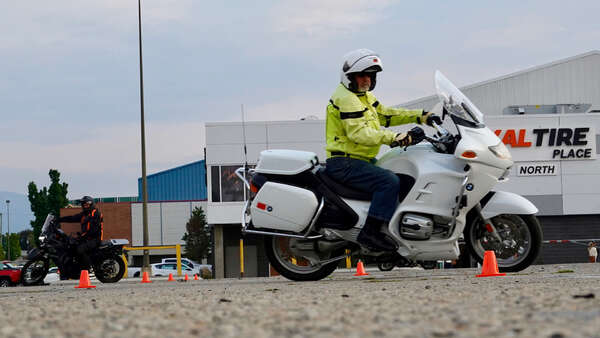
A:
<point x="542" y="144"/>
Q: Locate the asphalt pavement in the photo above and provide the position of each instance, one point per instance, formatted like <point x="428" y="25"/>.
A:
<point x="541" y="301"/>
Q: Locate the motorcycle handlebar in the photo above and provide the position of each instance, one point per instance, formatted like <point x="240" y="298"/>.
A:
<point x="439" y="129"/>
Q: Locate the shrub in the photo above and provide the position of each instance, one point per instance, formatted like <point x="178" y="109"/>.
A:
<point x="205" y="273"/>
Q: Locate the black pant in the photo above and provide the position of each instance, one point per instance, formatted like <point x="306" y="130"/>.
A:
<point x="364" y="176"/>
<point x="83" y="250"/>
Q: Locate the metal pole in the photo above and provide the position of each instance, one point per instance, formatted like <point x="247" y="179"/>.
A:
<point x="8" y="227"/>
<point x="241" y="258"/>
<point x="146" y="260"/>
<point x="178" y="255"/>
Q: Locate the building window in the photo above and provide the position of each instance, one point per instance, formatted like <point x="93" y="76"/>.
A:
<point x="232" y="188"/>
<point x="215" y="185"/>
<point x="226" y="186"/>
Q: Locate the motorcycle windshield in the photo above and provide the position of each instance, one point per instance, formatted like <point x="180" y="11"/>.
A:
<point x="47" y="222"/>
<point x="455" y="102"/>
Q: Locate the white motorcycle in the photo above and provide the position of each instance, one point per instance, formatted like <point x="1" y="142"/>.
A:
<point x="311" y="222"/>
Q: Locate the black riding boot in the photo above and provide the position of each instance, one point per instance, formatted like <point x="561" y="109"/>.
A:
<point x="371" y="236"/>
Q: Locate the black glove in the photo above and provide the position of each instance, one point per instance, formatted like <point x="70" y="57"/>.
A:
<point x="411" y="137"/>
<point x="429" y="118"/>
<point x="416" y="134"/>
<point x="402" y="140"/>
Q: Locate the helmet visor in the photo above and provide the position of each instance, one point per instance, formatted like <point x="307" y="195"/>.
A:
<point x="373" y="69"/>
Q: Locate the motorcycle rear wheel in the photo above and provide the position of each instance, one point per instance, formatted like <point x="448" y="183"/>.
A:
<point x="110" y="269"/>
<point x="34" y="271"/>
<point x="521" y="245"/>
<point x="295" y="268"/>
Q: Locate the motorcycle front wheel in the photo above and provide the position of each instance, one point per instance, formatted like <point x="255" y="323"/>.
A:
<point x="295" y="267"/>
<point x="110" y="269"/>
<point x="34" y="271"/>
<point x="519" y="245"/>
<point x="387" y="266"/>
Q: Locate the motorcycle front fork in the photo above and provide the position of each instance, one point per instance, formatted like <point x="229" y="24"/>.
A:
<point x="489" y="224"/>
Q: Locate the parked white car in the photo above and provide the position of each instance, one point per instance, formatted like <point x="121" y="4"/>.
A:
<point x="189" y="262"/>
<point x="164" y="269"/>
<point x="52" y="276"/>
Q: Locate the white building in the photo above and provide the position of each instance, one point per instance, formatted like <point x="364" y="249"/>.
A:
<point x="166" y="226"/>
<point x="166" y="221"/>
<point x="542" y="113"/>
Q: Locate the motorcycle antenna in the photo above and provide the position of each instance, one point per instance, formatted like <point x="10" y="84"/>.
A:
<point x="244" y="135"/>
<point x="245" y="190"/>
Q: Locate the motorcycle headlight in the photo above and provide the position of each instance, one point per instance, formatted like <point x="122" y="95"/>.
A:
<point x="42" y="238"/>
<point x="501" y="151"/>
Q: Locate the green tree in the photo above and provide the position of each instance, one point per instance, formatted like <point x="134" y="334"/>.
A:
<point x="15" y="247"/>
<point x="2" y="255"/>
<point x="197" y="236"/>
<point x="57" y="193"/>
<point x="46" y="200"/>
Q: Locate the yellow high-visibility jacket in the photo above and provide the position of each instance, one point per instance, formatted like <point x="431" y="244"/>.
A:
<point x="354" y="123"/>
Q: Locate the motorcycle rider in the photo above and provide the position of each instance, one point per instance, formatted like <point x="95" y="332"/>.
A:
<point x="354" y="136"/>
<point x="91" y="229"/>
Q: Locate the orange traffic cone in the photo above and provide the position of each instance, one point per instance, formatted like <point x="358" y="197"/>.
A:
<point x="171" y="279"/>
<point x="185" y="278"/>
<point x="84" y="281"/>
<point x="145" y="278"/>
<point x="490" y="266"/>
<point x="196" y="277"/>
<point x="360" y="270"/>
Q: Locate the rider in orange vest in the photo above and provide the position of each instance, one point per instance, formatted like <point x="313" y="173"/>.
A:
<point x="91" y="229"/>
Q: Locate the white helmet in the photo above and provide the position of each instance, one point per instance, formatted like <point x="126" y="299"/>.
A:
<point x="360" y="61"/>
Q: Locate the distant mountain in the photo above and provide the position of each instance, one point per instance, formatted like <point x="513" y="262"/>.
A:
<point x="20" y="211"/>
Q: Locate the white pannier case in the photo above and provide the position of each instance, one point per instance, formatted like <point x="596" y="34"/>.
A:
<point x="281" y="206"/>
<point x="285" y="162"/>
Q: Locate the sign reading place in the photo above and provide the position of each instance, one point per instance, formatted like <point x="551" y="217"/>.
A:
<point x="554" y="143"/>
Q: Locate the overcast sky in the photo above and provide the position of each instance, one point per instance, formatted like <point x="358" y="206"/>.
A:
<point x="70" y="74"/>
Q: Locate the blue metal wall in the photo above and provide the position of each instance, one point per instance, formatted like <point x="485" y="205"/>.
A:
<point x="184" y="183"/>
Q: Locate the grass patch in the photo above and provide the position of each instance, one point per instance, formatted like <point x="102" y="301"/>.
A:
<point x="565" y="271"/>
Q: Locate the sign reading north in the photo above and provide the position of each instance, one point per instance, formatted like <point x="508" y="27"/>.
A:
<point x="550" y="143"/>
<point x="537" y="169"/>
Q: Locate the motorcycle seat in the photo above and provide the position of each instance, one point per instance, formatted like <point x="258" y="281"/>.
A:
<point x="104" y="244"/>
<point x="341" y="189"/>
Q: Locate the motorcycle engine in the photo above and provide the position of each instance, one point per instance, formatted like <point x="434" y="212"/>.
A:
<point x="415" y="226"/>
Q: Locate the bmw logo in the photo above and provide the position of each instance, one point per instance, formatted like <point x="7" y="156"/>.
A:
<point x="470" y="186"/>
<point x="269" y="208"/>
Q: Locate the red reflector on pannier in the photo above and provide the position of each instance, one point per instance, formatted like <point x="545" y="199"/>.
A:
<point x="261" y="206"/>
